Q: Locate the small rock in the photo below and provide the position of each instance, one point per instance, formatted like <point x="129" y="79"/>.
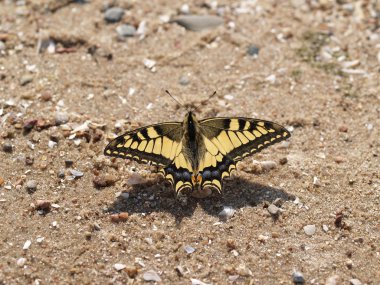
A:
<point x="119" y="266"/>
<point x="309" y="229"/>
<point x="355" y="281"/>
<point x="283" y="160"/>
<point x="43" y="205"/>
<point x="298" y="278"/>
<point x="184" y="80"/>
<point x="61" y="118"/>
<point x="132" y="271"/>
<point x="27" y="244"/>
<point x="262" y="238"/>
<point x="126" y="30"/>
<point x="197" y="282"/>
<point x="7" y="147"/>
<point x="198" y="23"/>
<point x="333" y="280"/>
<point x="226" y="213"/>
<point x="61" y="174"/>
<point x="76" y="173"/>
<point x="273" y="210"/>
<point x="31" y="186"/>
<point x="253" y="51"/>
<point x="46" y="96"/>
<point x="51" y="144"/>
<point x="325" y="228"/>
<point x="271" y="78"/>
<point x="113" y="15"/>
<point x="21" y="261"/>
<point x="339" y="159"/>
<point x="149" y="63"/>
<point x="268" y="165"/>
<point x="69" y="163"/>
<point x="120" y="217"/>
<point x="135" y="178"/>
<point x="343" y="129"/>
<point x="151" y="275"/>
<point x="25" y="79"/>
<point x="1" y="181"/>
<point x="2" y="46"/>
<point x="316" y="182"/>
<point x="189" y="249"/>
<point x="349" y="264"/>
<point x="185" y="9"/>
<point x="104" y="180"/>
<point x="29" y="124"/>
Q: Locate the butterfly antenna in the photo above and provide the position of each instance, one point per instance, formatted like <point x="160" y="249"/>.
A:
<point x="179" y="103"/>
<point x="205" y="102"/>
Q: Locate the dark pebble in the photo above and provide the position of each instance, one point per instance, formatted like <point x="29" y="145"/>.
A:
<point x="69" y="163"/>
<point x="298" y="278"/>
<point x="7" y="147"/>
<point x="283" y="160"/>
<point x="253" y="50"/>
<point x="61" y="174"/>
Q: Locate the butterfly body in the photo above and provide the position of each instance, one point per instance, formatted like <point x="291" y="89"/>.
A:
<point x="197" y="154"/>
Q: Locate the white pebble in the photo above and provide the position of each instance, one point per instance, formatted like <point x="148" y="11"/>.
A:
<point x="316" y="181"/>
<point x="268" y="165"/>
<point x="197" y="282"/>
<point x="27" y="244"/>
<point x="189" y="249"/>
<point x="228" y="97"/>
<point x="21" y="261"/>
<point x="325" y="228"/>
<point x="40" y="239"/>
<point x="151" y="275"/>
<point x="119" y="266"/>
<point x="226" y="213"/>
<point x="309" y="229"/>
<point x="355" y="281"/>
<point x="271" y="78"/>
<point x="51" y="144"/>
<point x="149" y="63"/>
<point x="54" y="224"/>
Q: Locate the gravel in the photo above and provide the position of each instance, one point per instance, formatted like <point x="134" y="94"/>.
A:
<point x="151" y="275"/>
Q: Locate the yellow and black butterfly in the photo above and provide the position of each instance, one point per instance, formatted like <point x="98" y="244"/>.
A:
<point x="197" y="154"/>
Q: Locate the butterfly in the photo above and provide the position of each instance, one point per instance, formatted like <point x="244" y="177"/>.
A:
<point x="197" y="154"/>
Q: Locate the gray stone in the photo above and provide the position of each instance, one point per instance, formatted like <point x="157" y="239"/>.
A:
<point x="184" y="80"/>
<point x="253" y="50"/>
<point x="126" y="30"/>
<point x="298" y="278"/>
<point x="31" y="185"/>
<point x="61" y="118"/>
<point x="226" y="213"/>
<point x="113" y="15"/>
<point x="273" y="210"/>
<point x="151" y="275"/>
<point x="197" y="22"/>
<point x="76" y="173"/>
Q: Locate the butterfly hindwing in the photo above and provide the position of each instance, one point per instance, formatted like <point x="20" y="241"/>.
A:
<point x="155" y="144"/>
<point x="229" y="140"/>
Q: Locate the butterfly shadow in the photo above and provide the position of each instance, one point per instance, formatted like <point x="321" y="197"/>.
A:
<point x="237" y="193"/>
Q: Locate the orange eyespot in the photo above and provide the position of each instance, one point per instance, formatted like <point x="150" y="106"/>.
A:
<point x="196" y="179"/>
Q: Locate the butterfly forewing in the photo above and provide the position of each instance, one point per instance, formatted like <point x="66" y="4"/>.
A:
<point x="155" y="144"/>
<point x="229" y="140"/>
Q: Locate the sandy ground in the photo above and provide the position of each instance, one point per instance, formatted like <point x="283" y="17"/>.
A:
<point x="69" y="84"/>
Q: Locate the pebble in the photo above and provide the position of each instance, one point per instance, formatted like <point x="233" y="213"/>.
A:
<point x="316" y="182"/>
<point x="2" y="45"/>
<point x="149" y="63"/>
<point x="185" y="9"/>
<point x="25" y="79"/>
<point x="273" y="210"/>
<point x="343" y="129"/>
<point x="189" y="249"/>
<point x="27" y="244"/>
<point x="120" y="217"/>
<point x="197" y="282"/>
<point x="7" y="147"/>
<point x="104" y="180"/>
<point x="135" y="178"/>
<point x="262" y="238"/>
<point x="51" y="144"/>
<point x="31" y="186"/>
<point x="184" y="80"/>
<point x="309" y="229"/>
<point x="253" y="51"/>
<point x="298" y="278"/>
<point x="126" y="30"/>
<point x="283" y="161"/>
<point x="76" y="173"/>
<point x="268" y="165"/>
<point x="325" y="228"/>
<point x="69" y="163"/>
<point x="119" y="266"/>
<point x="198" y="22"/>
<point x="355" y="281"/>
<point x="113" y="15"/>
<point x="43" y="205"/>
<point x="61" y="118"/>
<point x="227" y="213"/>
<point x="61" y="174"/>
<point x="271" y="78"/>
<point x="151" y="275"/>
<point x="29" y="124"/>
<point x="333" y="280"/>
<point x="21" y="261"/>
<point x="1" y="181"/>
